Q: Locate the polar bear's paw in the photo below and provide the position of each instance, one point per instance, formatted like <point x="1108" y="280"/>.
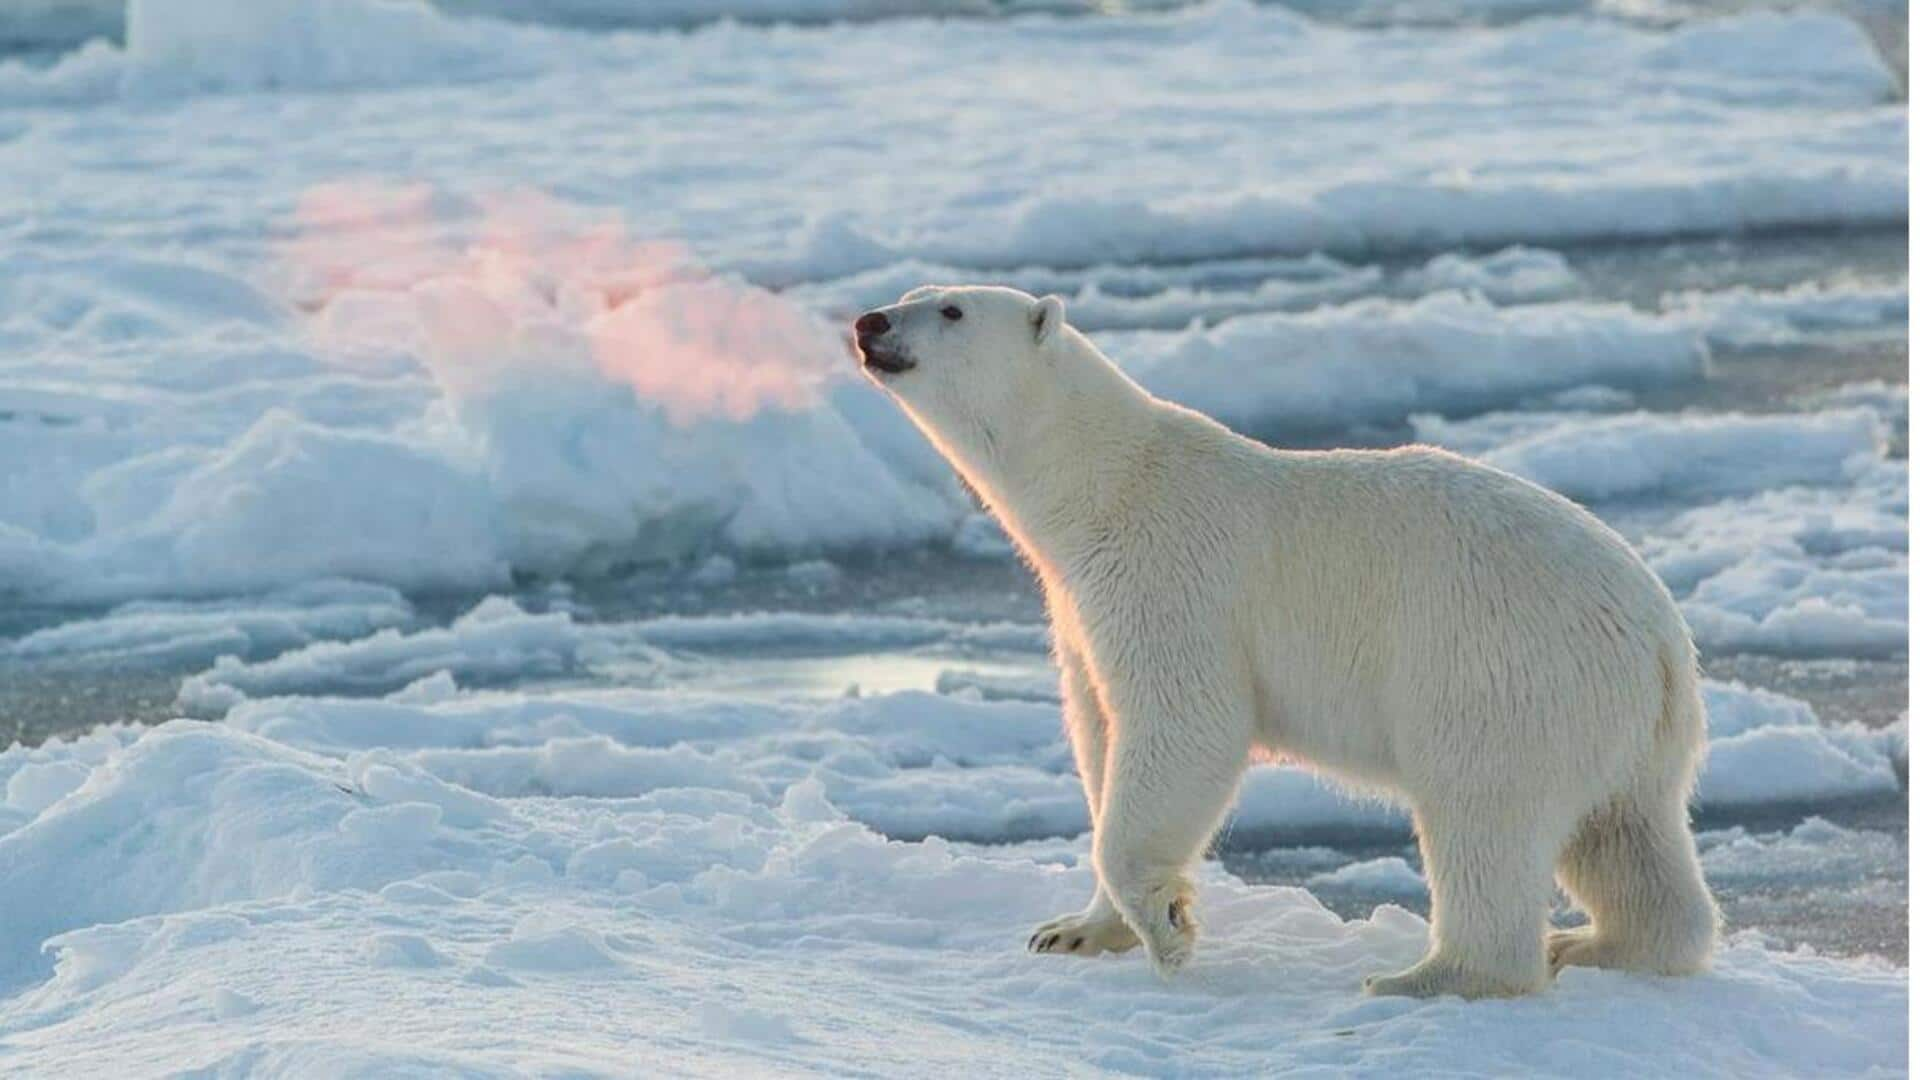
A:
<point x="1087" y="933"/>
<point x="1169" y="927"/>
<point x="1584" y="947"/>
<point x="1572" y="948"/>
<point x="1438" y="978"/>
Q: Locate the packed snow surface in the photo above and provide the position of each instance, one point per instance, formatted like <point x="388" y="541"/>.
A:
<point x="325" y="888"/>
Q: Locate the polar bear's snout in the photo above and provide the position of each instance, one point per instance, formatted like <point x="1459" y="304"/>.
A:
<point x="877" y="353"/>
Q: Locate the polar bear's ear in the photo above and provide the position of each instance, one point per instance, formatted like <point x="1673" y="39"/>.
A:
<point x="1048" y="314"/>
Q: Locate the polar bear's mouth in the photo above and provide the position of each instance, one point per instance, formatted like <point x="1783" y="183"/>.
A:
<point x="875" y="358"/>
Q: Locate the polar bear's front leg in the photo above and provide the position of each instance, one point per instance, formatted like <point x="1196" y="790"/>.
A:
<point x="1177" y="748"/>
<point x="1099" y="928"/>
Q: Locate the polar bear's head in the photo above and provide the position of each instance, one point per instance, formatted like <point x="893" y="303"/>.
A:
<point x="967" y="362"/>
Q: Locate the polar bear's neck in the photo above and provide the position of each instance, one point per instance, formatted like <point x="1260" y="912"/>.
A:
<point x="1057" y="483"/>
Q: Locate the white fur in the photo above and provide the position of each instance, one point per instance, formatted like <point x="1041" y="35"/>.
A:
<point x="1408" y="621"/>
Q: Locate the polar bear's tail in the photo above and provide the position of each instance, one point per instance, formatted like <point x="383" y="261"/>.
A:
<point x="1632" y="863"/>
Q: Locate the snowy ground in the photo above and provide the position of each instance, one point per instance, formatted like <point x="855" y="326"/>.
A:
<point x="587" y="675"/>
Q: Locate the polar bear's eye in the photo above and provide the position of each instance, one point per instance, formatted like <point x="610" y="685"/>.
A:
<point x="951" y="313"/>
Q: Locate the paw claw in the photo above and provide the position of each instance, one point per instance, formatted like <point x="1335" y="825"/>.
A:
<point x="1085" y="934"/>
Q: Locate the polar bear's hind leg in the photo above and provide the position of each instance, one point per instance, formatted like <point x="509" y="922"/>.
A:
<point x="1632" y="866"/>
<point x="1491" y="882"/>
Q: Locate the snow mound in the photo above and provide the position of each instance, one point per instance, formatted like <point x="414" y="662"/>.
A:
<point x="478" y="932"/>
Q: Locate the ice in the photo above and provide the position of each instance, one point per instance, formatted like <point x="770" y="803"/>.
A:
<point x="499" y="641"/>
<point x="259" y="925"/>
<point x="686" y="12"/>
<point x="1514" y="275"/>
<point x="1749" y="317"/>
<point x="1119" y="297"/>
<point x="1389" y="875"/>
<point x="1797" y="571"/>
<point x="1379" y="360"/>
<point x="1735" y="708"/>
<point x="1799" y="764"/>
<point x="494" y="641"/>
<point x="189" y="632"/>
<point x="1816" y="852"/>
<point x="1647" y="454"/>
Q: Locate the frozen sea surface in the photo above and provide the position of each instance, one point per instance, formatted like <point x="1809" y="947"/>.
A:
<point x="451" y="420"/>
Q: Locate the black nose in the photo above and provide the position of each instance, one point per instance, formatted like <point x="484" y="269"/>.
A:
<point x="872" y="324"/>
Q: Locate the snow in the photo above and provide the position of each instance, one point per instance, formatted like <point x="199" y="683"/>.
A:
<point x="483" y="926"/>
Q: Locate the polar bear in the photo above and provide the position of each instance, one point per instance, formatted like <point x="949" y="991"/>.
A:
<point x="1407" y="621"/>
